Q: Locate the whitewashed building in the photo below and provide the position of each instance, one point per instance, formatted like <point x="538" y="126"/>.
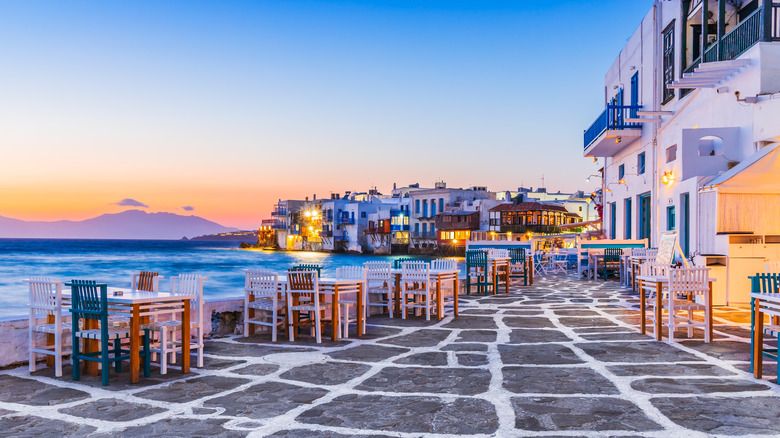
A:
<point x="689" y="110"/>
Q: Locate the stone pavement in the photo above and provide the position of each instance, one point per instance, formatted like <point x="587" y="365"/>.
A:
<point x="561" y="358"/>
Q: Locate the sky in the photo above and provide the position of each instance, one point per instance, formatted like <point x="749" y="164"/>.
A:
<point x="219" y="109"/>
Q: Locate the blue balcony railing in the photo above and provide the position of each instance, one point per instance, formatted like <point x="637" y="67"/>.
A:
<point x="347" y="220"/>
<point x="746" y="34"/>
<point x="279" y="212"/>
<point x="613" y="117"/>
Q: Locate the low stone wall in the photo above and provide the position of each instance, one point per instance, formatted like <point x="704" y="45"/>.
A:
<point x="14" y="330"/>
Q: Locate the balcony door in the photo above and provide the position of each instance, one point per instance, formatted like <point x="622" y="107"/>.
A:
<point x="645" y="216"/>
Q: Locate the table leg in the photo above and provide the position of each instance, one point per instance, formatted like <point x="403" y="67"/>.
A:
<point x="397" y="292"/>
<point x="709" y="313"/>
<point x="185" y="338"/>
<point x="50" y="341"/>
<point x="530" y="270"/>
<point x="643" y="308"/>
<point x="633" y="277"/>
<point x="360" y="310"/>
<point x="758" y="340"/>
<point x="135" y="329"/>
<point x="335" y="315"/>
<point x="455" y="294"/>
<point x="659" y="310"/>
<point x="296" y="317"/>
<point x="495" y="278"/>
<point x="439" y="298"/>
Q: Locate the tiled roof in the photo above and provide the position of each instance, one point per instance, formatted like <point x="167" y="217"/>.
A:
<point x="528" y="206"/>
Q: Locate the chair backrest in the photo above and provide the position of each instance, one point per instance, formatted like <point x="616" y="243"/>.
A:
<point x="444" y="265"/>
<point x="695" y="280"/>
<point x="612" y="254"/>
<point x="308" y="267"/>
<point x="351" y="273"/>
<point x="517" y="255"/>
<point x="89" y="300"/>
<point x="655" y="269"/>
<point x="638" y="252"/>
<point x="302" y="281"/>
<point x="651" y="254"/>
<point x="378" y="270"/>
<point x="476" y="258"/>
<point x="414" y="271"/>
<point x="497" y="252"/>
<point x="772" y="267"/>
<point x="188" y="284"/>
<point x="45" y="296"/>
<point x="397" y="262"/>
<point x="146" y="281"/>
<point x="259" y="283"/>
<point x="765" y="283"/>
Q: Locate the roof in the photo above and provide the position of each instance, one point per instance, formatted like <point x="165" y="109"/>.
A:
<point x="529" y="206"/>
<point x="758" y="173"/>
<point x="458" y="213"/>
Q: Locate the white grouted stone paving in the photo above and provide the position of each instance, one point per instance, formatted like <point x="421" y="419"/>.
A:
<point x="560" y="358"/>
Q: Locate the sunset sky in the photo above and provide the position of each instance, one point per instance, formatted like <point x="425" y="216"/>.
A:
<point x="220" y="108"/>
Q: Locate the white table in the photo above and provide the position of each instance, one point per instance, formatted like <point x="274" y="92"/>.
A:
<point x="139" y="305"/>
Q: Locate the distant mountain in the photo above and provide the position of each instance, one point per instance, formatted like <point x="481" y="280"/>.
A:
<point x="130" y="224"/>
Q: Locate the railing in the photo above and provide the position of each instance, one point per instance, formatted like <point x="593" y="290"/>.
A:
<point x="613" y="117"/>
<point x="774" y="34"/>
<point x="521" y="229"/>
<point x="326" y="233"/>
<point x="280" y="226"/>
<point x="376" y="230"/>
<point x="711" y="53"/>
<point x="399" y="227"/>
<point x="347" y="220"/>
<point x="742" y="37"/>
<point x="278" y="212"/>
<point x="423" y="235"/>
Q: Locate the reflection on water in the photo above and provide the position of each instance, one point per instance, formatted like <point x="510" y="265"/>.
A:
<point x="114" y="262"/>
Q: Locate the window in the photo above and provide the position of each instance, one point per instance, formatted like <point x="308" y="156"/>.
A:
<point x="580" y="208"/>
<point x="621" y="171"/>
<point x="363" y="214"/>
<point x="425" y="208"/>
<point x="416" y="228"/>
<point x="433" y="229"/>
<point x="627" y="226"/>
<point x="425" y="229"/>
<point x="668" y="56"/>
<point x="640" y="163"/>
<point x="417" y="206"/>
<point x="670" y="218"/>
<point x="671" y="153"/>
<point x="612" y="220"/>
<point x="441" y="205"/>
<point x="433" y="207"/>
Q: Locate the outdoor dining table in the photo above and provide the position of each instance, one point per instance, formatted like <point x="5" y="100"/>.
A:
<point x="139" y="305"/>
<point x="333" y="286"/>
<point x="660" y="283"/>
<point x="763" y="303"/>
<point x="439" y="276"/>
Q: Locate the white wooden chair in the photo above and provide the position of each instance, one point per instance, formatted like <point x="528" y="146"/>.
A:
<point x="183" y="284"/>
<point x="349" y="299"/>
<point x="46" y="317"/>
<point x="263" y="301"/>
<point x="447" y="287"/>
<point x="498" y="252"/>
<point x="143" y="281"/>
<point x="772" y="267"/>
<point x="415" y="281"/>
<point x="380" y="285"/>
<point x="304" y="287"/>
<point x="560" y="262"/>
<point x="685" y="285"/>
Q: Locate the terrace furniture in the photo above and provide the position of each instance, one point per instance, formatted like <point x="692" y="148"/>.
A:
<point x="611" y="260"/>
<point x="143" y="281"/>
<point x="518" y="264"/>
<point x="308" y="267"/>
<point x="560" y="262"/>
<point x="303" y="295"/>
<point x="541" y="263"/>
<point x="90" y="307"/>
<point x="379" y="284"/>
<point x="677" y="292"/>
<point x="264" y="302"/>
<point x="415" y="281"/>
<point x="764" y="300"/>
<point x="477" y="273"/>
<point x="445" y="288"/>
<point x="397" y="262"/>
<point x="772" y="267"/>
<point x="183" y="284"/>
<point x="357" y="273"/>
<point x="46" y="317"/>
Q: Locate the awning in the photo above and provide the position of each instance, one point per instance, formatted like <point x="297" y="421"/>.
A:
<point x="709" y="74"/>
<point x="759" y="173"/>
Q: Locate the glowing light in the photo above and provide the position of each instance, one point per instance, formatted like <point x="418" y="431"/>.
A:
<point x="455" y="241"/>
<point x="667" y="178"/>
<point x="622" y="181"/>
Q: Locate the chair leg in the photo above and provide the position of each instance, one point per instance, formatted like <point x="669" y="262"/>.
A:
<point x="104" y="360"/>
<point x="75" y="359"/>
<point x="163" y="351"/>
<point x="318" y="326"/>
<point x="200" y="346"/>
<point x="31" y="345"/>
<point x="58" y="355"/>
<point x="147" y="354"/>
<point x="118" y="353"/>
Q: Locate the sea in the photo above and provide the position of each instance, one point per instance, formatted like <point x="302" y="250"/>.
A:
<point x="115" y="261"/>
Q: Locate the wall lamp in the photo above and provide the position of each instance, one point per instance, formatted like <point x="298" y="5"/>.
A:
<point x="623" y="180"/>
<point x="591" y="176"/>
<point x="667" y="178"/>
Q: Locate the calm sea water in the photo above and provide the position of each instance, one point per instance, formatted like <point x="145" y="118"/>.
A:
<point x="115" y="261"/>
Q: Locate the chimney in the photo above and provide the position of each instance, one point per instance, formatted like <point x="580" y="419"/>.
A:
<point x="440" y="185"/>
<point x="314" y="197"/>
<point x="307" y="199"/>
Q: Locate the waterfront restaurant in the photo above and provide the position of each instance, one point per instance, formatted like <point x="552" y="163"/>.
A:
<point x="530" y="217"/>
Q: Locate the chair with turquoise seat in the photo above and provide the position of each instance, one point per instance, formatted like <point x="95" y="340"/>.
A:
<point x="518" y="264"/>
<point x="768" y="284"/>
<point x="477" y="272"/>
<point x="90" y="304"/>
